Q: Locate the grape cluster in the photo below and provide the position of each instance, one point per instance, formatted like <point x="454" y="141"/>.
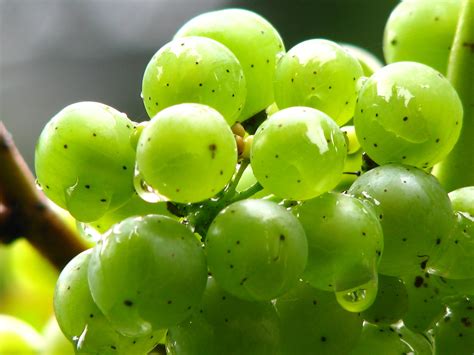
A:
<point x="211" y="240"/>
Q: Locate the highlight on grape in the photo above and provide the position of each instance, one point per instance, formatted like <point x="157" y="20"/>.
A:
<point x="276" y="201"/>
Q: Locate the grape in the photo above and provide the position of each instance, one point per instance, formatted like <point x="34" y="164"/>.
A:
<point x="195" y="69"/>
<point x="415" y="213"/>
<point x="134" y="207"/>
<point x="455" y="260"/>
<point x="391" y="303"/>
<point x="254" y="41"/>
<point x="421" y="31"/>
<point x="147" y="273"/>
<point x="84" y="161"/>
<point x="463" y="199"/>
<point x="320" y="74"/>
<point x="345" y="240"/>
<point x="408" y="113"/>
<point x="83" y="323"/>
<point x="380" y="340"/>
<point x="425" y="301"/>
<point x="312" y="322"/>
<point x="18" y="337"/>
<point x="55" y="343"/>
<point x="369" y="62"/>
<point x="256" y="249"/>
<point x="226" y="325"/>
<point x="187" y="153"/>
<point x="454" y="334"/>
<point x="298" y="153"/>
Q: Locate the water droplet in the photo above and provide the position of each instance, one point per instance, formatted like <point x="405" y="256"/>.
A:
<point x="359" y="298"/>
<point x="145" y="191"/>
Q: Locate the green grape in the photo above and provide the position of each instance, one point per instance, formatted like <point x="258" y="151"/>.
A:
<point x="380" y="340"/>
<point x="55" y="342"/>
<point x="134" y="207"/>
<point x="147" y="273"/>
<point x="256" y="250"/>
<point x="454" y="334"/>
<point x="345" y="241"/>
<point x="298" y="153"/>
<point x="369" y="62"/>
<point x="18" y="337"/>
<point x="421" y="31"/>
<point x="425" y="301"/>
<point x="455" y="260"/>
<point x="195" y="69"/>
<point x="391" y="303"/>
<point x="408" y="113"/>
<point x="312" y="322"/>
<point x="320" y="74"/>
<point x="415" y="213"/>
<point x="84" y="161"/>
<point x="83" y="323"/>
<point x="254" y="41"/>
<point x="226" y="325"/>
<point x="187" y="153"/>
<point x="463" y="199"/>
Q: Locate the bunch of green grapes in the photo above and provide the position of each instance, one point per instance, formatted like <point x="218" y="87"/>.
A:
<point x="219" y="237"/>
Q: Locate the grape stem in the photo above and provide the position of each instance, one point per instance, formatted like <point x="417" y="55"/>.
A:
<point x="25" y="212"/>
<point x="201" y="215"/>
<point x="230" y="190"/>
<point x="457" y="170"/>
<point x="252" y="190"/>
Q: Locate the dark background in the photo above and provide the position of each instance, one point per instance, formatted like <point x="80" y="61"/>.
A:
<point x="57" y="52"/>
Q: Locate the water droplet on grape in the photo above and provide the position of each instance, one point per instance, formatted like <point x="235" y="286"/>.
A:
<point x="145" y="191"/>
<point x="359" y="298"/>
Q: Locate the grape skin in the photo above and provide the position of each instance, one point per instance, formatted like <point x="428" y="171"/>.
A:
<point x="408" y="113"/>
<point x="320" y="74"/>
<point x="298" y="153"/>
<point x="209" y="74"/>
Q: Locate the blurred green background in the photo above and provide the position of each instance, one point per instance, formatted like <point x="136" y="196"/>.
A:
<point x="56" y="52"/>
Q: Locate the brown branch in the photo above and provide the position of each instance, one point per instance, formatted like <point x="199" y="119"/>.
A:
<point x="25" y="212"/>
